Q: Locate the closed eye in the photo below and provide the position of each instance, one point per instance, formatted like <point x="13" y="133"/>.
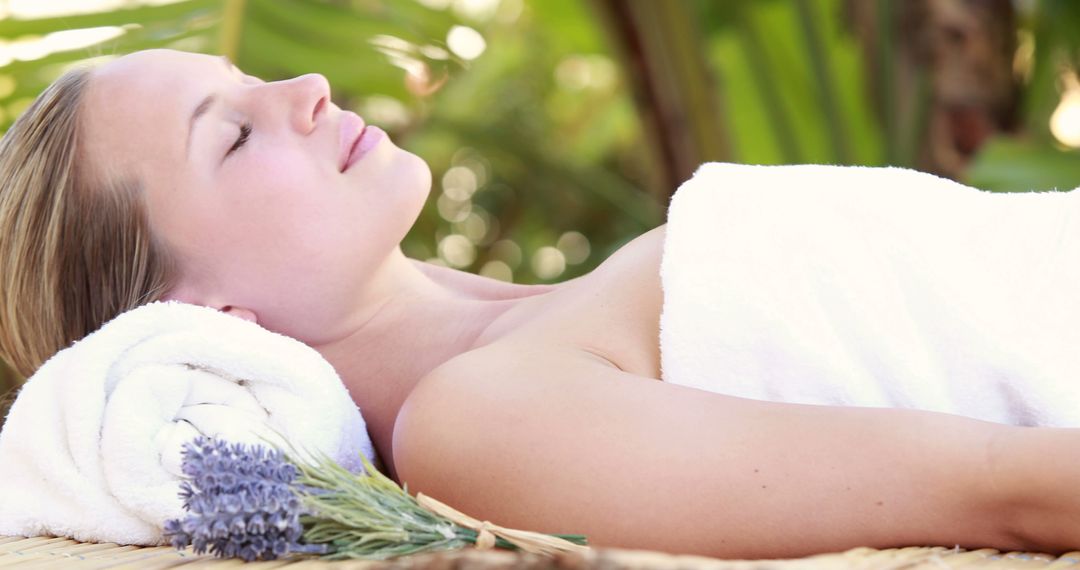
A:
<point x="245" y="132"/>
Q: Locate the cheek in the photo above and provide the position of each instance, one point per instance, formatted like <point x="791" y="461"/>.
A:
<point x="273" y="177"/>
<point x="278" y="193"/>
<point x="287" y="211"/>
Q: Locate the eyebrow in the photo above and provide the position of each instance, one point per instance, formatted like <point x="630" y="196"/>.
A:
<point x="202" y="108"/>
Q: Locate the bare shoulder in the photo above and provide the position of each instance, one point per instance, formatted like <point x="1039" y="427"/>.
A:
<point x="530" y="437"/>
<point x="524" y="436"/>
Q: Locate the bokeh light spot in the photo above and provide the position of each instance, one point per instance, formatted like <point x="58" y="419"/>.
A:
<point x="472" y="159"/>
<point x="434" y="52"/>
<point x="453" y="210"/>
<point x="457" y="251"/>
<point x="480" y="10"/>
<point x="1065" y="121"/>
<point x="548" y="262"/>
<point x="466" y="42"/>
<point x="507" y="251"/>
<point x="384" y="110"/>
<point x="7" y="85"/>
<point x="459" y="182"/>
<point x="473" y="227"/>
<point x="577" y="72"/>
<point x="497" y="270"/>
<point x="575" y="246"/>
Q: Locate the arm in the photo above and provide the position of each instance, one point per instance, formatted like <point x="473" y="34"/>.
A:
<point x="573" y="446"/>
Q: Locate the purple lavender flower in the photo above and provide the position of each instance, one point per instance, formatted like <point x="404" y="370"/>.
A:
<point x="240" y="502"/>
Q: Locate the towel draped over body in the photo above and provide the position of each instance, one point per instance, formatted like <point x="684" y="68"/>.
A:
<point x="91" y="448"/>
<point x="879" y="287"/>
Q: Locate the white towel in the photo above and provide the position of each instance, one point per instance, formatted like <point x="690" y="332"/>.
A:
<point x="880" y="287"/>
<point x="91" y="446"/>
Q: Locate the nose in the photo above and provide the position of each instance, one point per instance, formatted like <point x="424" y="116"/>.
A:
<point x="309" y="98"/>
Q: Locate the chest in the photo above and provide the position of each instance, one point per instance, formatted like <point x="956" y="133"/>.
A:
<point x="613" y="312"/>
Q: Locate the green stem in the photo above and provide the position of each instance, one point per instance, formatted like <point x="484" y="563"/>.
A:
<point x="815" y="47"/>
<point x="232" y="22"/>
<point x="471" y="535"/>
<point x="886" y="59"/>
<point x="754" y="49"/>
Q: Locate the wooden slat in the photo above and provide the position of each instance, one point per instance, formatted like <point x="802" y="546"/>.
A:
<point x="48" y="553"/>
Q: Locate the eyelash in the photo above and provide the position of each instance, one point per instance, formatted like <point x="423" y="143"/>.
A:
<point x="245" y="132"/>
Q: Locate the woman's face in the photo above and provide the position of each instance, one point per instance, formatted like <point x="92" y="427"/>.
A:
<point x="270" y="224"/>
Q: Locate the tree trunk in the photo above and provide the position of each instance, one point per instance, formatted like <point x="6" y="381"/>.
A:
<point x="941" y="75"/>
<point x="664" y="64"/>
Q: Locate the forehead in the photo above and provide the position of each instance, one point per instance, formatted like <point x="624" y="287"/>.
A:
<point x="137" y="107"/>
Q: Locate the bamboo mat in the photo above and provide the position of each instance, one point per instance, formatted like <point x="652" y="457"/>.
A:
<point x="62" y="554"/>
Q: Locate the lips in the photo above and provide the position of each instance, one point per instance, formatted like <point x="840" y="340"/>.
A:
<point x="352" y="127"/>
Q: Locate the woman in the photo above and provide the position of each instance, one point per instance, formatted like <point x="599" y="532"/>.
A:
<point x="170" y="175"/>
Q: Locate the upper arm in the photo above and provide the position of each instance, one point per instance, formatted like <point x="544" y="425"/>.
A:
<point x="561" y="444"/>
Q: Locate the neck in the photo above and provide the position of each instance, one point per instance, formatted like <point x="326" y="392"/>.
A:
<point x="441" y="314"/>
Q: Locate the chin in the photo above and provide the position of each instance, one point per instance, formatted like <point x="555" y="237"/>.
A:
<point x="414" y="175"/>
<point x="408" y="168"/>
<point x="420" y="169"/>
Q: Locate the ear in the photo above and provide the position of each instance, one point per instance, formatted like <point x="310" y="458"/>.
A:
<point x="185" y="292"/>
<point x="246" y="314"/>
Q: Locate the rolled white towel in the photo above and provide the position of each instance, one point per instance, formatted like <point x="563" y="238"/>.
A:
<point x="91" y="448"/>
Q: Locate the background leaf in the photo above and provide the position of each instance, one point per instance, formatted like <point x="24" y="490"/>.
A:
<point x="566" y="136"/>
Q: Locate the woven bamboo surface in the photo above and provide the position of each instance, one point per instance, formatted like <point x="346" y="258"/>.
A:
<point x="61" y="553"/>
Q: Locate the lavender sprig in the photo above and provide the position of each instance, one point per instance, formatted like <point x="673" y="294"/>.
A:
<point x="240" y="501"/>
<point x="254" y="503"/>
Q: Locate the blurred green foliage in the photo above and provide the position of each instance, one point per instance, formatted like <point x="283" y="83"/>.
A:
<point x="567" y="134"/>
<point x="793" y="83"/>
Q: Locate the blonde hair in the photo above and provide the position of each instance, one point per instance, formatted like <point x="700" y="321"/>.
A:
<point x="75" y="245"/>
